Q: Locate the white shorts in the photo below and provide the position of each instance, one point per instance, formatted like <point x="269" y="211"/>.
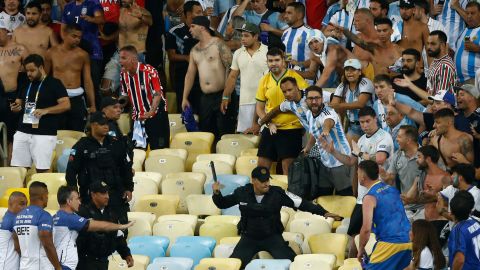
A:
<point x="36" y="149"/>
<point x="245" y="117"/>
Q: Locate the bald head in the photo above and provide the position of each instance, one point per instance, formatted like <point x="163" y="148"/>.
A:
<point x="17" y="202"/>
<point x="38" y="194"/>
<point x="365" y="12"/>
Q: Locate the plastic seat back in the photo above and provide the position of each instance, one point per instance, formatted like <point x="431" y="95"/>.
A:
<point x="201" y="205"/>
<point x="183" y="184"/>
<point x="233" y="146"/>
<point x="11" y="177"/>
<point x="157" y="204"/>
<point x="203" y="166"/>
<point x="209" y="242"/>
<point x="268" y="264"/>
<point x="195" y="143"/>
<point x="337" y="245"/>
<point x="219" y="264"/>
<point x="173" y="263"/>
<point x="151" y="246"/>
<point x="218" y="230"/>
<point x="164" y="164"/>
<point x="229" y="181"/>
<point x="245" y="164"/>
<point x="196" y="252"/>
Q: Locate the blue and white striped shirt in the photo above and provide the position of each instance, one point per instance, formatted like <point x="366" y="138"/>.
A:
<point x="453" y="22"/>
<point x="344" y="92"/>
<point x="330" y="11"/>
<point x="394" y="131"/>
<point x="295" y="40"/>
<point x="381" y="111"/>
<point x="337" y="135"/>
<point x="467" y="62"/>
<point x="298" y="108"/>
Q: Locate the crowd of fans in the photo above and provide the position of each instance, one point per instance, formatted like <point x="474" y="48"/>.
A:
<point x="393" y="82"/>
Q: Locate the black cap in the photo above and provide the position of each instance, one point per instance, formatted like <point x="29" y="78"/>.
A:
<point x="99" y="186"/>
<point x="98" y="117"/>
<point x="108" y="101"/>
<point x="202" y="20"/>
<point x="262" y="174"/>
<point x="406" y="4"/>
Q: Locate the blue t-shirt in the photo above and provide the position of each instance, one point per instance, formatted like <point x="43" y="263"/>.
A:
<point x="465" y="238"/>
<point x="274" y="19"/>
<point x="72" y="15"/>
<point x="390" y="223"/>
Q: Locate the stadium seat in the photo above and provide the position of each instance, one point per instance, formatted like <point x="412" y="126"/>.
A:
<point x="309" y="226"/>
<point x="172" y="229"/>
<point x="70" y="134"/>
<point x="138" y="159"/>
<point x="181" y="153"/>
<point x="149" y="217"/>
<point x="157" y="204"/>
<point x="294" y="237"/>
<point x="124" y="123"/>
<point x="312" y="262"/>
<point x="62" y="160"/>
<point x="171" y="263"/>
<point x="231" y="240"/>
<point x="293" y="245"/>
<point x="195" y="143"/>
<point x="230" y="182"/>
<point x="8" y="192"/>
<point x="151" y="246"/>
<point x="142" y="227"/>
<point x="268" y="264"/>
<point x="143" y="186"/>
<point x="370" y="244"/>
<point x="229" y="159"/>
<point x="279" y="180"/>
<point x="201" y="205"/>
<point x="209" y="242"/>
<point x="64" y="143"/>
<point x="196" y="252"/>
<point x="11" y="177"/>
<point x="308" y="215"/>
<point x="249" y="152"/>
<point x="337" y="245"/>
<point x="164" y="164"/>
<point x="218" y="230"/>
<point x="52" y="202"/>
<point x="176" y="124"/>
<point x="117" y="263"/>
<point x="232" y="211"/>
<point x="223" y="219"/>
<point x="203" y="166"/>
<point x="183" y="184"/>
<point x="189" y="219"/>
<point x="284" y="217"/>
<point x="219" y="264"/>
<point x="223" y="250"/>
<point x="351" y="267"/>
<point x="233" y="146"/>
<point x="155" y="176"/>
<point x="53" y="181"/>
<point x="245" y="165"/>
<point x="351" y="261"/>
<point x="253" y="138"/>
<point x="340" y="205"/>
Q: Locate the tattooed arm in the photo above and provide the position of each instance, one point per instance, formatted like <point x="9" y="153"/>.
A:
<point x="466" y="147"/>
<point x="369" y="46"/>
<point x="225" y="55"/>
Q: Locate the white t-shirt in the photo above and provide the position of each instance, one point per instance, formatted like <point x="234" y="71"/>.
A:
<point x="426" y="259"/>
<point x="9" y="258"/>
<point x="12" y="22"/>
<point x="380" y="141"/>
<point x="449" y="192"/>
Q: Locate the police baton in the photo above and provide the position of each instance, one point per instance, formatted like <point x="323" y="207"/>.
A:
<point x="214" y="174"/>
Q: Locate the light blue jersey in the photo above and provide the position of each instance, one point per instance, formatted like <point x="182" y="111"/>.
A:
<point x="295" y="41"/>
<point x="330" y="11"/>
<point x="467" y="62"/>
<point x="453" y="22"/>
<point x="364" y="87"/>
<point x="274" y="19"/>
<point x="298" y="108"/>
<point x="394" y="131"/>
<point x="337" y="135"/>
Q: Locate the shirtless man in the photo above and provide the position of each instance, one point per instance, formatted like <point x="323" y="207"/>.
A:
<point x="36" y="37"/>
<point x="212" y="58"/>
<point x="70" y="64"/>
<point x="454" y="146"/>
<point x="384" y="52"/>
<point x="134" y="22"/>
<point x="414" y="33"/>
<point x="426" y="186"/>
<point x="363" y="22"/>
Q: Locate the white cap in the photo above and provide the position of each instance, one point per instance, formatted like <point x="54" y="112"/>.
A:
<point x="315" y="34"/>
<point x="355" y="63"/>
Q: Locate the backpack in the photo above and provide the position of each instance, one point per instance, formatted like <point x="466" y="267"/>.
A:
<point x="267" y="38"/>
<point x="303" y="176"/>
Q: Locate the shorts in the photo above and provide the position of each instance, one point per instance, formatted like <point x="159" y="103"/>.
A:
<point x="339" y="177"/>
<point x="245" y="117"/>
<point x="355" y="129"/>
<point x="356" y="221"/>
<point x="113" y="68"/>
<point x="284" y="144"/>
<point x="36" y="149"/>
<point x="390" y="256"/>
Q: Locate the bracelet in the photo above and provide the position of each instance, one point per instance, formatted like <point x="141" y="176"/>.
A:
<point x="225" y="98"/>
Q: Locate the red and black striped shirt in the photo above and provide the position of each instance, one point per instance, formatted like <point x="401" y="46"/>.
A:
<point x="141" y="88"/>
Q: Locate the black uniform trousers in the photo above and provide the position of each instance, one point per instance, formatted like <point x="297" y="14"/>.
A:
<point x="247" y="247"/>
<point x="90" y="263"/>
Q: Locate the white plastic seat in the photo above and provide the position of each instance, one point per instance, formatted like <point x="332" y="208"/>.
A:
<point x="190" y="219"/>
<point x="155" y="176"/>
<point x="183" y="184"/>
<point x="117" y="263"/>
<point x="149" y="217"/>
<point x="201" y="205"/>
<point x="233" y="146"/>
<point x="143" y="187"/>
<point x="172" y="229"/>
<point x="164" y="164"/>
<point x="181" y="153"/>
<point x="138" y="159"/>
<point x="11" y="177"/>
<point x="229" y="159"/>
<point x="203" y="166"/>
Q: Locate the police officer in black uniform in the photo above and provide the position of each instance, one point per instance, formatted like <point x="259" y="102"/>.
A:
<point x="100" y="157"/>
<point x="95" y="247"/>
<point x="260" y="226"/>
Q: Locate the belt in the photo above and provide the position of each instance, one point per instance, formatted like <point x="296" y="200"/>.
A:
<point x="355" y="123"/>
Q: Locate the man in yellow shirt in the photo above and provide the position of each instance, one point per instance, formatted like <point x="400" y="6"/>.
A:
<point x="282" y="140"/>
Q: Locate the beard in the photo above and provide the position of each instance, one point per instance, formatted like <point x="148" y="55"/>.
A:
<point x="433" y="53"/>
<point x="407" y="71"/>
<point x="423" y="166"/>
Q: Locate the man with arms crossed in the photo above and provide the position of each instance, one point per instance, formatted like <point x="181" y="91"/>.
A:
<point x="212" y="58"/>
<point x="70" y="64"/>
<point x="9" y="258"/>
<point x="33" y="232"/>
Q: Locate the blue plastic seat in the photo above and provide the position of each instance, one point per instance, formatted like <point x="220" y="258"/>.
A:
<point x="62" y="160"/>
<point x="151" y="246"/>
<point x="230" y="182"/>
<point x="207" y="241"/>
<point x="194" y="251"/>
<point x="171" y="263"/>
<point x="232" y="211"/>
<point x="268" y="264"/>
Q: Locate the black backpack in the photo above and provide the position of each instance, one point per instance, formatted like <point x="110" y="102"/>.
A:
<point x="303" y="176"/>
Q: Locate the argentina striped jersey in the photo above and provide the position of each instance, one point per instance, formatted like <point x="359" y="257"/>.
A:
<point x="344" y="92"/>
<point x="295" y="41"/>
<point x="467" y="62"/>
<point x="453" y="22"/>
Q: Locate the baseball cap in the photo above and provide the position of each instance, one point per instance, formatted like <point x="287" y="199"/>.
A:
<point x="355" y="63"/>
<point x="98" y="117"/>
<point x="445" y="96"/>
<point x="406" y="4"/>
<point x="108" y="101"/>
<point x="202" y="21"/>
<point x="249" y="27"/>
<point x="99" y="186"/>
<point x="262" y="174"/>
<point x="315" y="34"/>
<point x="470" y="88"/>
